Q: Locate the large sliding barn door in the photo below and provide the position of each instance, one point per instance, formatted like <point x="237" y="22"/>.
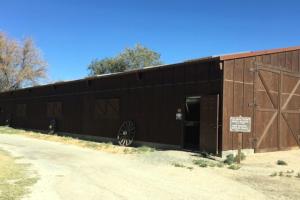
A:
<point x="277" y="109"/>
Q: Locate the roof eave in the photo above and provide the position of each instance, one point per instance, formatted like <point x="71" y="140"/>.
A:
<point x="257" y="53"/>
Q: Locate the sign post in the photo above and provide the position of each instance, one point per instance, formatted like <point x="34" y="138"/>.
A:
<point x="239" y="155"/>
<point x="240" y="125"/>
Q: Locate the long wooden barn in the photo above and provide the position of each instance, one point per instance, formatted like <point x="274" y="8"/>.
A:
<point x="184" y="105"/>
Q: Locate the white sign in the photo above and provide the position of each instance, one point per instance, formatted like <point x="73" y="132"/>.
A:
<point x="178" y="116"/>
<point x="240" y="124"/>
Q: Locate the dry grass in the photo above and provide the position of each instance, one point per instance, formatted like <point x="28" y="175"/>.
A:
<point x="107" y="147"/>
<point x="15" y="178"/>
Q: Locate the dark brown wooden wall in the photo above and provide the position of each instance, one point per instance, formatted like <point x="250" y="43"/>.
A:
<point x="238" y="93"/>
<point x="150" y="97"/>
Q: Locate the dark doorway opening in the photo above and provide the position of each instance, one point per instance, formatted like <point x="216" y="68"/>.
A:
<point x="192" y="123"/>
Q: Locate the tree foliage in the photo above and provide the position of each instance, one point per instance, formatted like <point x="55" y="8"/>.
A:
<point x="21" y="64"/>
<point x="130" y="58"/>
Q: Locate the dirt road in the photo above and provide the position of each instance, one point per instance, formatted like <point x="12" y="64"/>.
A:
<point x="70" y="172"/>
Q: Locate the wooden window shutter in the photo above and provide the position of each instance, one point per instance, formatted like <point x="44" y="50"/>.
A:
<point x="107" y="109"/>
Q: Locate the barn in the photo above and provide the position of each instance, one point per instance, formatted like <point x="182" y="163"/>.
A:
<point x="185" y="105"/>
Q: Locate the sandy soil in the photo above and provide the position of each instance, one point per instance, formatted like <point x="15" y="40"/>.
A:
<point x="257" y="169"/>
<point x="71" y="172"/>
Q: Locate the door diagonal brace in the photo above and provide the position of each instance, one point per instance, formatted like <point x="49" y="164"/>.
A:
<point x="267" y="89"/>
<point x="267" y="128"/>
<point x="291" y="130"/>
<point x="290" y="95"/>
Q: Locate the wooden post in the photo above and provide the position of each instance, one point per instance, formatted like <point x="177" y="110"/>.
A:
<point x="239" y="155"/>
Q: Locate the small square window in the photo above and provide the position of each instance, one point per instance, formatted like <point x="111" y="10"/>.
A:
<point x="107" y="108"/>
<point x="54" y="109"/>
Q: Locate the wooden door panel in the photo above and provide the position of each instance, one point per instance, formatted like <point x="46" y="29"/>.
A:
<point x="277" y="110"/>
<point x="290" y="112"/>
<point x="269" y="79"/>
<point x="266" y="111"/>
<point x="263" y="100"/>
<point x="288" y="132"/>
<point x="293" y="103"/>
<point x="266" y="129"/>
<point x="289" y="83"/>
<point x="209" y="114"/>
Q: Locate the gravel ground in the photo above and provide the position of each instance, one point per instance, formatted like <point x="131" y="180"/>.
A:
<point x="71" y="172"/>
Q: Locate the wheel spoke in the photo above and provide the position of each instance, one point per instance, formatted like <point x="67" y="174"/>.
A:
<point x="122" y="142"/>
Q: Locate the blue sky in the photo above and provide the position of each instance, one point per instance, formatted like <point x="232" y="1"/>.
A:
<point x="72" y="33"/>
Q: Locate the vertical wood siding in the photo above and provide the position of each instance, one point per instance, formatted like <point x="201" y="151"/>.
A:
<point x="150" y="97"/>
<point x="238" y="98"/>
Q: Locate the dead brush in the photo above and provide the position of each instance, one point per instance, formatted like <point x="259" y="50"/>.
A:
<point x="273" y="174"/>
<point x="178" y="165"/>
<point x="280" y="174"/>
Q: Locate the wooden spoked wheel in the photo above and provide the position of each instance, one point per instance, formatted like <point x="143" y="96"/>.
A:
<point x="126" y="133"/>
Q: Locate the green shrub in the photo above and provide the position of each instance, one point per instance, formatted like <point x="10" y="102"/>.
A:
<point x="230" y="159"/>
<point x="281" y="162"/>
<point x="201" y="163"/>
<point x="207" y="163"/>
<point x="234" y="167"/>
<point x="178" y="165"/>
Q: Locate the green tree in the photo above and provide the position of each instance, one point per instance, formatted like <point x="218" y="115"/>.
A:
<point x="106" y="66"/>
<point x="130" y="58"/>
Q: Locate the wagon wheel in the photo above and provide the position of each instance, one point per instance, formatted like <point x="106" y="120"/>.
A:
<point x="126" y="133"/>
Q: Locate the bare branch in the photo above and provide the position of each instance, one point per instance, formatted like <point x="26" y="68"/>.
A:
<point x="21" y="64"/>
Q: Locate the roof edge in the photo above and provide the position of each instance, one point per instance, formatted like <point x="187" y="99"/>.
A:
<point x="258" y="53"/>
<point x="132" y="71"/>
